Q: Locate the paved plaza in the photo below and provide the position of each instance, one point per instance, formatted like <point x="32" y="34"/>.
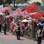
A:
<point x="11" y="39"/>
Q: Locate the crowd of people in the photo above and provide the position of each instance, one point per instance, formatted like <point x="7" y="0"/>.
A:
<point x="23" y="26"/>
<point x="33" y="28"/>
<point x="24" y="22"/>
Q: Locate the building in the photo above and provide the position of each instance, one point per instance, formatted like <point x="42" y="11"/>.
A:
<point x="31" y="1"/>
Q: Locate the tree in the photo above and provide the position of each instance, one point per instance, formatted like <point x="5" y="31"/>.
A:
<point x="8" y="1"/>
<point x="38" y="3"/>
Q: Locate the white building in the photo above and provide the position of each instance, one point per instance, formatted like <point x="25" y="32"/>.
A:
<point x="31" y="1"/>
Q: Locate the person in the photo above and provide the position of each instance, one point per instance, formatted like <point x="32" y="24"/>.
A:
<point x="18" y="33"/>
<point x="0" y="27"/>
<point x="43" y="31"/>
<point x="34" y="25"/>
<point x="43" y="27"/>
<point x="22" y="27"/>
<point x="0" y="23"/>
<point x="40" y="31"/>
<point x="39" y="36"/>
<point x="5" y="27"/>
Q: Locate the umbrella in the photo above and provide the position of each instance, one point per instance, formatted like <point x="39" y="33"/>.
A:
<point x="6" y="9"/>
<point x="8" y="16"/>
<point x="30" y="18"/>
<point x="1" y="13"/>
<point x="25" y="20"/>
<point x="18" y="10"/>
<point x="32" y="8"/>
<point x="37" y="15"/>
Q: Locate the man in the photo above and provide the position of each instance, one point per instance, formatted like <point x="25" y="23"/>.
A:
<point x="34" y="26"/>
<point x="5" y="27"/>
<point x="0" y="23"/>
<point x="18" y="32"/>
<point x="39" y="36"/>
<point x="0" y="27"/>
<point x="40" y="32"/>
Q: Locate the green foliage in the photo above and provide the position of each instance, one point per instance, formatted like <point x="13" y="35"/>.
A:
<point x="38" y="3"/>
<point x="8" y="1"/>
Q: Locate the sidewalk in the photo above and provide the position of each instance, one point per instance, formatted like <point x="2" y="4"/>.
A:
<point x="11" y="39"/>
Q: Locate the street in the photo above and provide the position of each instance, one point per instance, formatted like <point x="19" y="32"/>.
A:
<point x="11" y="39"/>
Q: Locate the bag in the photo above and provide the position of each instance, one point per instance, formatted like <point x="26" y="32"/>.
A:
<point x="39" y="33"/>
